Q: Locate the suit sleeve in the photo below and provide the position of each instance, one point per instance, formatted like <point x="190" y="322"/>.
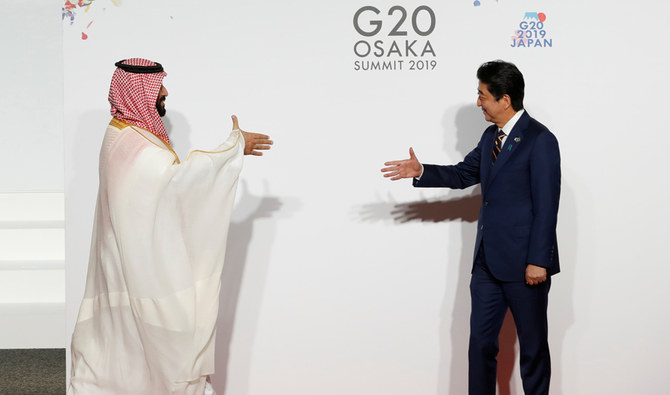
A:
<point x="545" y="184"/>
<point x="459" y="176"/>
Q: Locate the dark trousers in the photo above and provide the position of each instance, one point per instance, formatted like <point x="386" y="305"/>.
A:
<point x="528" y="304"/>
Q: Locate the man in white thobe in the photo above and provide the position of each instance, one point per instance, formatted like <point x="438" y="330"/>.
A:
<point x="146" y="325"/>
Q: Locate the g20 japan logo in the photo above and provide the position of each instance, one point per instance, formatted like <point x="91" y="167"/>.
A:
<point x="531" y="32"/>
<point x="397" y="40"/>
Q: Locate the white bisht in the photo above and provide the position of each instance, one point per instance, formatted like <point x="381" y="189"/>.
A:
<point x="147" y="321"/>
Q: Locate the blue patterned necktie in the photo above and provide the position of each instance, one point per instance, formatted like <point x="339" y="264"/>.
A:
<point x="497" y="145"/>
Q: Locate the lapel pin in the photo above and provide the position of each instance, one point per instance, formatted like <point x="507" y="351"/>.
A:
<point x="517" y="139"/>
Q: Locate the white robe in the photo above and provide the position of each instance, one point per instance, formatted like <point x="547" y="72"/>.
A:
<point x="147" y="321"/>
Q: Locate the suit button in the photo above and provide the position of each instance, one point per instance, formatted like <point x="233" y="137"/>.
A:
<point x="481" y="227"/>
<point x="486" y="204"/>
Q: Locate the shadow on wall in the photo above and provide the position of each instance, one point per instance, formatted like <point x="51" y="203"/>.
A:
<point x="179" y="131"/>
<point x="248" y="218"/>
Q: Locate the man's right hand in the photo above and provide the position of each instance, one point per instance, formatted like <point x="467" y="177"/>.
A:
<point x="253" y="142"/>
<point x="407" y="168"/>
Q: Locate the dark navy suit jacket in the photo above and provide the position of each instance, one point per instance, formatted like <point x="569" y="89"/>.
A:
<point x="520" y="194"/>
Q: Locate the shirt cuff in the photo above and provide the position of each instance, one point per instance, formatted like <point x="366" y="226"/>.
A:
<point x="419" y="177"/>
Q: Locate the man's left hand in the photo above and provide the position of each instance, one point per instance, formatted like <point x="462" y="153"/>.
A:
<point x="535" y="275"/>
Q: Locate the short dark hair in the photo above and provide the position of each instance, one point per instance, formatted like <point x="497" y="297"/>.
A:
<point x="503" y="78"/>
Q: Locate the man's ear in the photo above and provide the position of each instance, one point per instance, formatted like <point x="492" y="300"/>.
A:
<point x="506" y="101"/>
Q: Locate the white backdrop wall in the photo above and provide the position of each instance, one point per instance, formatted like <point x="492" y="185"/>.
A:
<point x="338" y="281"/>
<point x="32" y="268"/>
<point x="31" y="97"/>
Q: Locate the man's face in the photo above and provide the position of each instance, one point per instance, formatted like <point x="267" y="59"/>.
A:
<point x="493" y="109"/>
<point x="160" y="102"/>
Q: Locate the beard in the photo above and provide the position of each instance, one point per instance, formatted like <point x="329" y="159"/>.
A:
<point x="160" y="106"/>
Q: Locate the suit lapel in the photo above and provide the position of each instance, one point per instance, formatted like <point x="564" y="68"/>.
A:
<point x="513" y="141"/>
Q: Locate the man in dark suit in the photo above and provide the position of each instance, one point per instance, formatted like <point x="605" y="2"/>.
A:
<point x="517" y="163"/>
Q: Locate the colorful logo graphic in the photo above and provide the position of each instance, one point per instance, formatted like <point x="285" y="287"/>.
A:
<point x="531" y="32"/>
<point x="71" y="8"/>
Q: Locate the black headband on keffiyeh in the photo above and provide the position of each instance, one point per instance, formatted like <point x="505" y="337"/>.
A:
<point x="136" y="69"/>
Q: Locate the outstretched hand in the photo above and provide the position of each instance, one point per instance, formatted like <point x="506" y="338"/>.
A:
<point x="254" y="143"/>
<point x="407" y="168"/>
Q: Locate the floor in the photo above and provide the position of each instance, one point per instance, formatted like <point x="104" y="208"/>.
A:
<point x="32" y="372"/>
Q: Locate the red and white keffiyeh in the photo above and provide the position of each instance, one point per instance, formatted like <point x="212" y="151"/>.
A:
<point x="133" y="97"/>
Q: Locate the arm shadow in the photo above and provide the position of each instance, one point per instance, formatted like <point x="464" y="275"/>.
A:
<point x="464" y="209"/>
